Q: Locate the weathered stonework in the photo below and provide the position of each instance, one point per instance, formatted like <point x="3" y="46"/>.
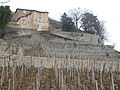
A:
<point x="30" y="19"/>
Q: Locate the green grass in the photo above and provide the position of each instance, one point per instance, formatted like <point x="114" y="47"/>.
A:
<point x="117" y="53"/>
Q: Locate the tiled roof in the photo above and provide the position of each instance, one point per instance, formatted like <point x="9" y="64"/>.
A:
<point x="31" y="10"/>
<point x="17" y="17"/>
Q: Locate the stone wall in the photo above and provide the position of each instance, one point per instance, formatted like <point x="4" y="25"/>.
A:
<point x="83" y="62"/>
<point x="80" y="36"/>
<point x="63" y="49"/>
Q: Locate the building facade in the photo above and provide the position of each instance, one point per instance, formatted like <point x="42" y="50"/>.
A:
<point x="30" y="19"/>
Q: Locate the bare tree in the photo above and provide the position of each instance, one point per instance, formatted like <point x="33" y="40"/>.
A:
<point x="6" y="1"/>
<point x="75" y="14"/>
<point x="102" y="32"/>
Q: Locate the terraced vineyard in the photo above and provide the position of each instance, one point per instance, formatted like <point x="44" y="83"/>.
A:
<point x="58" y="66"/>
<point x="31" y="78"/>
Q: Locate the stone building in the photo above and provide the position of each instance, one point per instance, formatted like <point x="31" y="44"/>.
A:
<point x="30" y="19"/>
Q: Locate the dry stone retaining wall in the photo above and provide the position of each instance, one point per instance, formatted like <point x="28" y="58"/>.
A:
<point x="84" y="62"/>
<point x="57" y="49"/>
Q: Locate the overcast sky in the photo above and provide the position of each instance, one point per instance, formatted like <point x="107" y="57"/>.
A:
<point x="107" y="10"/>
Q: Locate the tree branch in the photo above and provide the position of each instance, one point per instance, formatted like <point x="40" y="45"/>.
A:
<point x="5" y="2"/>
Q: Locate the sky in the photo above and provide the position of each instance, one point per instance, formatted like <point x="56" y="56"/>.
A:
<point x="106" y="10"/>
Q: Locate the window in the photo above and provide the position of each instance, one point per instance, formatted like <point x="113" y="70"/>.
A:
<point x="24" y="21"/>
<point x="39" y="19"/>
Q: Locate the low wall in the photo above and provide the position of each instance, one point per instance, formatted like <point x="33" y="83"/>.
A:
<point x="84" y="62"/>
<point x="57" y="49"/>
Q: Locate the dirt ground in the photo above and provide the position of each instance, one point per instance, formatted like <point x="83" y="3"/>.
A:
<point x="31" y="78"/>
